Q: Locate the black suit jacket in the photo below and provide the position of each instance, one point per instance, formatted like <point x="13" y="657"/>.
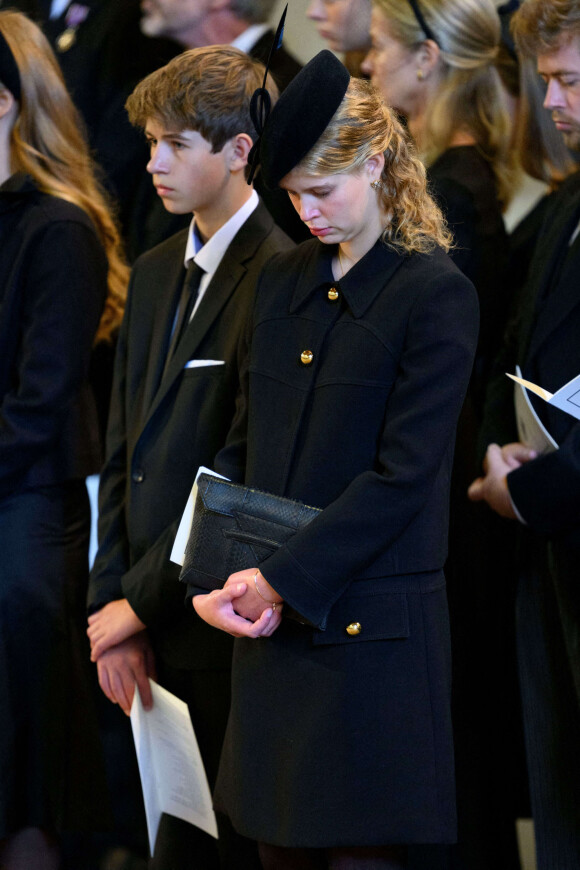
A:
<point x="164" y="426"/>
<point x="544" y="342"/>
<point x="546" y="492"/>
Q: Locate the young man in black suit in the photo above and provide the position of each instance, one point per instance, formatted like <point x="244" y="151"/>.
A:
<point x="543" y="491"/>
<point x="176" y="379"/>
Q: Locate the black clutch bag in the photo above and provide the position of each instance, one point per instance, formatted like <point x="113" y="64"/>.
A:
<point x="236" y="527"/>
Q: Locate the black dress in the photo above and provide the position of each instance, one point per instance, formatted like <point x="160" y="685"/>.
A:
<point x="52" y="288"/>
<point x="479" y="568"/>
<point x="463" y="183"/>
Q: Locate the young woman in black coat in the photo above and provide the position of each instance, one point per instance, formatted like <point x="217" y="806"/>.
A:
<point x="61" y="283"/>
<point x="339" y="749"/>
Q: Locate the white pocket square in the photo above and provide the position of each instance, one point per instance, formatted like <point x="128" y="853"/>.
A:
<point x="198" y="363"/>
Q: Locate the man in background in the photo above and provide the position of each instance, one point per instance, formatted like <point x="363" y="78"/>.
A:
<point x="541" y="493"/>
<point x="241" y="23"/>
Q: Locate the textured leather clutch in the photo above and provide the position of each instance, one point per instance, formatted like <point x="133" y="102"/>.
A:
<point x="235" y="527"/>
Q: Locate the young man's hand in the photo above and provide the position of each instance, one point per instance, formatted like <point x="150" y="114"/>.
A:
<point x="125" y="666"/>
<point x="111" y="625"/>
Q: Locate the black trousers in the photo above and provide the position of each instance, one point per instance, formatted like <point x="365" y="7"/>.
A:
<point x="339" y="858"/>
<point x="51" y="762"/>
<point x="181" y="846"/>
<point x="548" y="639"/>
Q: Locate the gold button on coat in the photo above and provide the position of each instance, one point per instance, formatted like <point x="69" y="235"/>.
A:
<point x="333" y="294"/>
<point x="354" y="628"/>
<point x="306" y="357"/>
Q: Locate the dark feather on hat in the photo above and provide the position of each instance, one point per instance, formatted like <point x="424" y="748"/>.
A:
<point x="261" y="103"/>
<point x="301" y="115"/>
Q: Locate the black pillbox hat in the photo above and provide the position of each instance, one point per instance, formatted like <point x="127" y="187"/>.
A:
<point x="301" y="115"/>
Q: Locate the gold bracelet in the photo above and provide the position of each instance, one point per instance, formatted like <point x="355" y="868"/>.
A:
<point x="273" y="604"/>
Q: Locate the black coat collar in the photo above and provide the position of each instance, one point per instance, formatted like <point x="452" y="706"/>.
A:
<point x="18" y="183"/>
<point x="15" y="189"/>
<point x="362" y="283"/>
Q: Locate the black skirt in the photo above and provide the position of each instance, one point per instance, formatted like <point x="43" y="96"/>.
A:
<point x="51" y="769"/>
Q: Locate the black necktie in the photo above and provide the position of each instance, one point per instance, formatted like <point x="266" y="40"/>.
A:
<point x="187" y="301"/>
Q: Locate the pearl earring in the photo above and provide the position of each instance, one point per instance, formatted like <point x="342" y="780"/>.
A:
<point x="377" y="185"/>
<point x="420" y="75"/>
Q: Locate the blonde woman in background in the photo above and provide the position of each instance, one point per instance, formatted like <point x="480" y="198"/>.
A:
<point x="435" y="62"/>
<point x="62" y="284"/>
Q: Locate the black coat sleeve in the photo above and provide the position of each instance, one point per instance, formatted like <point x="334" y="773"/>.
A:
<point x="62" y="287"/>
<point x="112" y="558"/>
<point x="546" y="491"/>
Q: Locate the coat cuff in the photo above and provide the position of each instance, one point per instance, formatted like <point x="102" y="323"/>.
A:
<point x="545" y="493"/>
<point x="299" y="589"/>
<point x="154" y="603"/>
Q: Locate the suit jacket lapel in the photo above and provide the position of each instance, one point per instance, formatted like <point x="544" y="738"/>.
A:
<point x="227" y="277"/>
<point x="219" y="290"/>
<point x="559" y="304"/>
<point x="551" y="305"/>
<point x="163" y="313"/>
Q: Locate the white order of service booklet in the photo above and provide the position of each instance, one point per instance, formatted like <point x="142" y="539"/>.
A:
<point x="531" y="430"/>
<point x="182" y="536"/>
<point x="172" y="774"/>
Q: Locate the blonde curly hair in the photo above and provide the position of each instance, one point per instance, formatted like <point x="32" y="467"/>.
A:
<point x="362" y="127"/>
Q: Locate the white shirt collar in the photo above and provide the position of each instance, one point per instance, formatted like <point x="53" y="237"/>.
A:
<point x="209" y="256"/>
<point x="247" y="40"/>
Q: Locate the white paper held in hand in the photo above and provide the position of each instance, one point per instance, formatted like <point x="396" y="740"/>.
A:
<point x="567" y="399"/>
<point x="531" y="430"/>
<point x="172" y="774"/>
<point x="182" y="536"/>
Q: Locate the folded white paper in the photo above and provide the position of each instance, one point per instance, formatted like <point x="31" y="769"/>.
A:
<point x="182" y="536"/>
<point x="531" y="430"/>
<point x="567" y="398"/>
<point x="202" y="363"/>
<point x="172" y="773"/>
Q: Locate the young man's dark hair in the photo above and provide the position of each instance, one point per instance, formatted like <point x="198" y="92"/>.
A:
<point x="206" y="89"/>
